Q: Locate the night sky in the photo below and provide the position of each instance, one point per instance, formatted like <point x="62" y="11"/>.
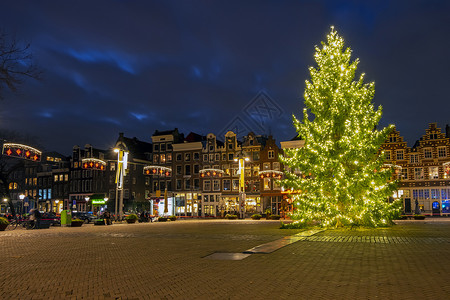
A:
<point x="208" y="66"/>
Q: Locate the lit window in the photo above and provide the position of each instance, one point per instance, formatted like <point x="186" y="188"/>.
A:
<point x="434" y="172"/>
<point x="266" y="183"/>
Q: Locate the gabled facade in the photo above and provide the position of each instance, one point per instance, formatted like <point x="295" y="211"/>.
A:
<point x="424" y="170"/>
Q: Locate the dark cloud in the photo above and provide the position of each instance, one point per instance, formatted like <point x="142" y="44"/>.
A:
<point x="137" y="66"/>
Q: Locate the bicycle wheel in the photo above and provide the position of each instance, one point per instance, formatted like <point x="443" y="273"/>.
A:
<point x="12" y="225"/>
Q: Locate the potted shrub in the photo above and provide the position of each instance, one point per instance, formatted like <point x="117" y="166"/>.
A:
<point x="419" y="217"/>
<point x="131" y="218"/>
<point x="76" y="223"/>
<point x="162" y="219"/>
<point x="256" y="216"/>
<point x="3" y="223"/>
<point x="230" y="217"/>
<point x="274" y="217"/>
<point x="268" y="214"/>
<point x="173" y="218"/>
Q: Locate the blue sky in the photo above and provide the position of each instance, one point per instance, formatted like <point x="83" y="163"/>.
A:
<point x="140" y="66"/>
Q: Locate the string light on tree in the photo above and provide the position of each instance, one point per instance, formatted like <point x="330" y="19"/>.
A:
<point x="341" y="148"/>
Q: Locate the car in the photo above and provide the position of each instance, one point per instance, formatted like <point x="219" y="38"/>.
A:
<point x="52" y="218"/>
<point x="85" y="216"/>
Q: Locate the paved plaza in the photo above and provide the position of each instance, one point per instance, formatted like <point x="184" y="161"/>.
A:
<point x="168" y="261"/>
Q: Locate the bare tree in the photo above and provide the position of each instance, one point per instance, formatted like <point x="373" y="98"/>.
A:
<point x="16" y="64"/>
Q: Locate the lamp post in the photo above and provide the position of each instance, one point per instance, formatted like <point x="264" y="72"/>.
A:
<point x="21" y="197"/>
<point x="241" y="159"/>
<point x="6" y="204"/>
<point x="122" y="161"/>
<point x="87" y="203"/>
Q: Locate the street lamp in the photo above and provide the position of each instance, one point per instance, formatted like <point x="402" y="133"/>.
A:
<point x="87" y="202"/>
<point x="241" y="159"/>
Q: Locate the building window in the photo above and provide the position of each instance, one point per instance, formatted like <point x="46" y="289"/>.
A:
<point x="266" y="183"/>
<point x="187" y="170"/>
<point x="276" y="166"/>
<point x="205" y="157"/>
<point x="211" y="148"/>
<point x="235" y="184"/>
<point x="266" y="166"/>
<point x="178" y="183"/>
<point x="387" y="154"/>
<point x="418" y="173"/>
<point x="427" y="153"/>
<point x="255" y="156"/>
<point x="392" y="139"/>
<point x="187" y="184"/>
<point x="147" y="180"/>
<point x="434" y="172"/>
<point x="162" y="158"/>
<point x="155" y="158"/>
<point x="207" y="185"/>
<point x="400" y="155"/>
<point x="216" y="185"/>
<point x="442" y="152"/>
<point x="112" y="166"/>
<point x="55" y="178"/>
<point x="196" y="169"/>
<point x="163" y="147"/>
<point x="226" y="184"/>
<point x="196" y="156"/>
<point x="178" y="170"/>
<point x="155" y="147"/>
<point x="271" y="154"/>
<point x="404" y="173"/>
<point x="217" y="157"/>
<point x="230" y="156"/>
<point x="414" y="158"/>
<point x="434" y="194"/>
<point x="187" y="157"/>
<point x="169" y="157"/>
<point x="196" y="184"/>
<point x="179" y="156"/>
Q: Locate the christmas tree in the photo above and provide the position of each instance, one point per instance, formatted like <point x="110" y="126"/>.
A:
<point x="342" y="181"/>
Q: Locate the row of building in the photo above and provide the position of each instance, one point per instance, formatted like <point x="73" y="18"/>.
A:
<point x="197" y="175"/>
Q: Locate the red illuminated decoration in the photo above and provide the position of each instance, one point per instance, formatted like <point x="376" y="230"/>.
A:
<point x="93" y="164"/>
<point x="157" y="171"/>
<point x="21" y="151"/>
<point x="211" y="173"/>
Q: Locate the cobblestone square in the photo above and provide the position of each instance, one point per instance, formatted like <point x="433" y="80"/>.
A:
<point x="166" y="261"/>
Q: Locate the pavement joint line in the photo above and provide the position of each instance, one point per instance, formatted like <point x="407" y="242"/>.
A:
<point x="280" y="243"/>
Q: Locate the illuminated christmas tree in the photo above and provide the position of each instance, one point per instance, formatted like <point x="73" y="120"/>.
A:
<point x="342" y="180"/>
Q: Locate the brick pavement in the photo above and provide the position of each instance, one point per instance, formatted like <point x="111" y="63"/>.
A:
<point x="166" y="261"/>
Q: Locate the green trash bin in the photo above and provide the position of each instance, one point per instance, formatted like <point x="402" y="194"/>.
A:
<point x="66" y="218"/>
